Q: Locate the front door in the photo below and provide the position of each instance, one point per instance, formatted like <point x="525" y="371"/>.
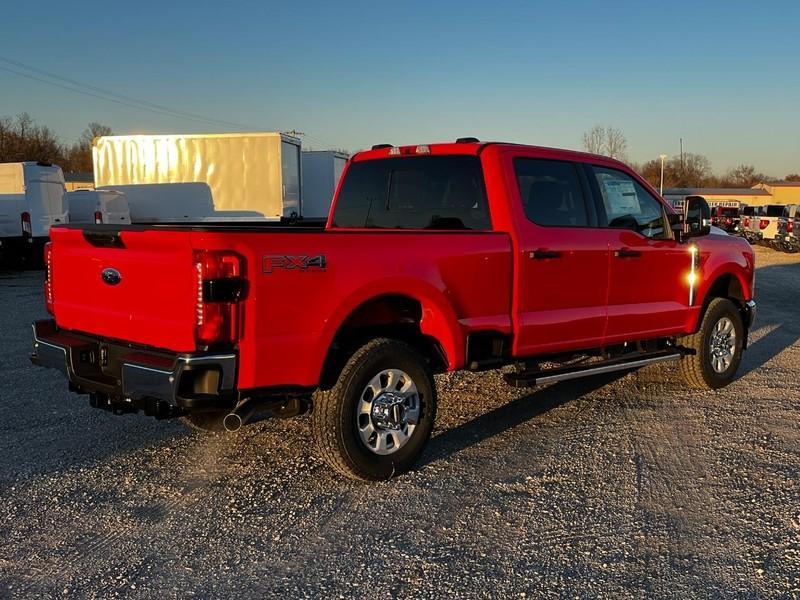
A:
<point x="562" y="275"/>
<point x="648" y="283"/>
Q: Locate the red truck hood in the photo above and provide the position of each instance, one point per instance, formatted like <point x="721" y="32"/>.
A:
<point x="153" y="302"/>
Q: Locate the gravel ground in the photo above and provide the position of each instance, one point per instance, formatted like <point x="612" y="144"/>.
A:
<point x="616" y="487"/>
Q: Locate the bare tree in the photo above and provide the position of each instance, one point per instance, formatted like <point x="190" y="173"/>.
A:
<point x="792" y="177"/>
<point x="593" y="140"/>
<point x="616" y="144"/>
<point x="80" y="154"/>
<point x="607" y="140"/>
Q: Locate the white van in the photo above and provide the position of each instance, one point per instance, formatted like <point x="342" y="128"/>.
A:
<point x="98" y="206"/>
<point x="31" y="200"/>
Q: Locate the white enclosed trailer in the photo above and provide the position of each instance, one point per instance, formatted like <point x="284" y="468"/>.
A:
<point x="202" y="176"/>
<point x="31" y="201"/>
<point x="98" y="206"/>
<point x="321" y="172"/>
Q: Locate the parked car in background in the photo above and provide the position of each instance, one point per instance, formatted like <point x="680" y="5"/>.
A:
<point x="768" y="223"/>
<point x="746" y="214"/>
<point x="98" y="206"/>
<point x="434" y="258"/>
<point x="31" y="201"/>
<point x="788" y="225"/>
<point x="726" y="218"/>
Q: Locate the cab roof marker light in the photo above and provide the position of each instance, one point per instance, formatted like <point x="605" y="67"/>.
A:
<point x="394" y="151"/>
<point x="424" y="149"/>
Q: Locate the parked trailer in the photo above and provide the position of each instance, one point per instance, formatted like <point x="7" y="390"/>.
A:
<point x="256" y="175"/>
<point x="321" y="172"/>
<point x="31" y="200"/>
<point x="98" y="206"/>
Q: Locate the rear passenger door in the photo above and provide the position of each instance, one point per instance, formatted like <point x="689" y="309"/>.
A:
<point x="562" y="259"/>
<point x="648" y="289"/>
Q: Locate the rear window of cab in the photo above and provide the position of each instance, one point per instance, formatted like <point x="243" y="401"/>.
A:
<point x="414" y="192"/>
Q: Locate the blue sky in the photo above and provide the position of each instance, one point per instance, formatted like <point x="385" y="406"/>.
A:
<point x="725" y="76"/>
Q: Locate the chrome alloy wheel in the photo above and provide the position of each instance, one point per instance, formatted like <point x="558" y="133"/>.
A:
<point x="388" y="411"/>
<point x="722" y="345"/>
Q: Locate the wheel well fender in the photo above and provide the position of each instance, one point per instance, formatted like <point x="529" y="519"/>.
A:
<point x="415" y="312"/>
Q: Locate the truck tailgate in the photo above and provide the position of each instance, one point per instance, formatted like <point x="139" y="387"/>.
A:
<point x="153" y="301"/>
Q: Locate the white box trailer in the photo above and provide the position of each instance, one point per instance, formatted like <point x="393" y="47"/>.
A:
<point x="321" y="172"/>
<point x="230" y="176"/>
<point x="98" y="206"/>
<point x="31" y="201"/>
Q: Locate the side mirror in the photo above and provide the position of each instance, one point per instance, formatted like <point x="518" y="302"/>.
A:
<point x="696" y="217"/>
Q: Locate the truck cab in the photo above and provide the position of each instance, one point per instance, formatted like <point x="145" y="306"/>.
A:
<point x="434" y="257"/>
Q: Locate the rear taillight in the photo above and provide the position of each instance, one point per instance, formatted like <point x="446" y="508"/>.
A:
<point x="763" y="223"/>
<point x="25" y="218"/>
<point x="220" y="285"/>
<point x="790" y="226"/>
<point x="48" y="282"/>
<point x="747" y="221"/>
<point x="98" y="217"/>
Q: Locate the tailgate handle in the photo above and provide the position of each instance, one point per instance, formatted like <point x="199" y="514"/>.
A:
<point x="104" y="239"/>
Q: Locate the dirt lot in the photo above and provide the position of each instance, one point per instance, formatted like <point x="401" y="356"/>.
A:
<point x="612" y="487"/>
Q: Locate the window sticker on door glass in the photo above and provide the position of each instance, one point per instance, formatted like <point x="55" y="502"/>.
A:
<point x="621" y="197"/>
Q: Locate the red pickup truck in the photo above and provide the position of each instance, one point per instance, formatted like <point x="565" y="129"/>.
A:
<point x="434" y="258"/>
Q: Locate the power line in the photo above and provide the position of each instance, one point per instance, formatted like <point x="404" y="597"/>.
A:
<point x="167" y="112"/>
<point x="123" y="97"/>
<point x="83" y="88"/>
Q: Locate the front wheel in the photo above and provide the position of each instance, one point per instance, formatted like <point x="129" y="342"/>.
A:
<point x="717" y="347"/>
<point x="375" y="421"/>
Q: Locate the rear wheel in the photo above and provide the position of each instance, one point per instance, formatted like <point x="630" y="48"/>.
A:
<point x="375" y="421"/>
<point x="717" y="347"/>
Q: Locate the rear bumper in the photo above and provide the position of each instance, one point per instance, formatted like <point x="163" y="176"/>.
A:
<point x="196" y="381"/>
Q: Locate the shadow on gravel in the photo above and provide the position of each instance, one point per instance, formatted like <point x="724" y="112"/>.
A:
<point x="766" y="348"/>
<point x="510" y="415"/>
<point x="777" y="313"/>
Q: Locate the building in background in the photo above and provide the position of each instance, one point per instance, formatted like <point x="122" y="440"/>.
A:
<point x="783" y="192"/>
<point x="76" y="180"/>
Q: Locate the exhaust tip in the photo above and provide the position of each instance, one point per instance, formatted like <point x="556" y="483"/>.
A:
<point x="232" y="422"/>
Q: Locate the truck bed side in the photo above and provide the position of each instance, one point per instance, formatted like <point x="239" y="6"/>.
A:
<point x="295" y="305"/>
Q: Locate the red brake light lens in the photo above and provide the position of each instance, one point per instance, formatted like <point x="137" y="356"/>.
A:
<point x="220" y="287"/>
<point x="790" y="225"/>
<point x="763" y="223"/>
<point x="25" y="218"/>
<point x="48" y="282"/>
<point x="98" y="217"/>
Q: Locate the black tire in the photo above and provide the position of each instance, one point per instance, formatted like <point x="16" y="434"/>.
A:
<point x="335" y="423"/>
<point x="207" y="422"/>
<point x="697" y="369"/>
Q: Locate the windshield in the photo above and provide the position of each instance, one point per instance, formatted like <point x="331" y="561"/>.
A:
<point x="773" y="210"/>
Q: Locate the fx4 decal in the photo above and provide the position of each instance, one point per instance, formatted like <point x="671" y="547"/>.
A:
<point x="271" y="263"/>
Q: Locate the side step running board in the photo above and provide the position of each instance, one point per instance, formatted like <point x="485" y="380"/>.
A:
<point x="534" y="378"/>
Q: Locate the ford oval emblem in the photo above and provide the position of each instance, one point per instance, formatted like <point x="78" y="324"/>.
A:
<point x="111" y="276"/>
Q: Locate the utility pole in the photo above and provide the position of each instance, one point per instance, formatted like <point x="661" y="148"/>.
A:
<point x="681" y="157"/>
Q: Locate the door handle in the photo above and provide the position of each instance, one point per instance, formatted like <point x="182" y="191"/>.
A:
<point x="542" y="254"/>
<point x="627" y="253"/>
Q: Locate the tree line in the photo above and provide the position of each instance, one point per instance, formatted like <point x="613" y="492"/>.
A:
<point x="23" y="139"/>
<point x="685" y="170"/>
